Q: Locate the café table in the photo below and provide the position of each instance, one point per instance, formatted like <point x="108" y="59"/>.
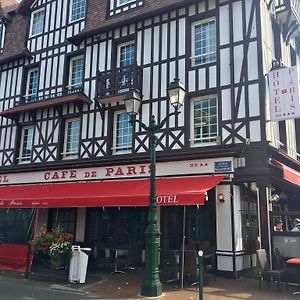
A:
<point x="296" y="263"/>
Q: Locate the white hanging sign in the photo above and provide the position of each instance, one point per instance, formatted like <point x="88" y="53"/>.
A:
<point x="284" y="94"/>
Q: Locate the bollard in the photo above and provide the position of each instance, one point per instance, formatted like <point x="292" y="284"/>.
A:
<point x="200" y="267"/>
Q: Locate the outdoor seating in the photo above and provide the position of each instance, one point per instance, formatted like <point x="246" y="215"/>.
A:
<point x="190" y="270"/>
<point x="209" y="255"/>
<point x="131" y="260"/>
<point x="169" y="265"/>
<point x="291" y="273"/>
<point x="104" y="260"/>
<point x="265" y="272"/>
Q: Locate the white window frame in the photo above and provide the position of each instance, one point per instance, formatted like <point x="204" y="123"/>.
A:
<point x="193" y="54"/>
<point x="2" y="35"/>
<point x="28" y="82"/>
<point x="25" y="159"/>
<point x="193" y="142"/>
<point x="65" y="154"/>
<point x="31" y="22"/>
<point x="70" y="86"/>
<point x="121" y="4"/>
<point x="131" y="42"/>
<point x="115" y="149"/>
<point x="71" y="14"/>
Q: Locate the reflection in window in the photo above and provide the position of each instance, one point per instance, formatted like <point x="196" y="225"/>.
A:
<point x="37" y="22"/>
<point x="78" y="10"/>
<point x="123" y="132"/>
<point x="26" y="144"/>
<point x="205" y="121"/>
<point x="72" y="137"/>
<point x="76" y="73"/>
<point x="32" y="85"/>
<point x="204" y="42"/>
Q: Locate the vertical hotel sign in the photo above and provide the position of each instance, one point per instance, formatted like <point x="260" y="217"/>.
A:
<point x="284" y="94"/>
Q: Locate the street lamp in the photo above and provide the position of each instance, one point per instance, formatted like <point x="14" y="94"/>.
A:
<point x="151" y="286"/>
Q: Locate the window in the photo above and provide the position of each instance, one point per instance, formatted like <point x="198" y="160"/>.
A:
<point x="37" y="22"/>
<point x="123" y="133"/>
<point x="72" y="136"/>
<point x="2" y="35"/>
<point x="204" y="120"/>
<point x="126" y="57"/>
<point x="126" y="54"/>
<point x="122" y="6"/>
<point x="32" y="85"/>
<point x="77" y="10"/>
<point x="76" y="73"/>
<point x="26" y="144"/>
<point x="122" y="2"/>
<point x="203" y="42"/>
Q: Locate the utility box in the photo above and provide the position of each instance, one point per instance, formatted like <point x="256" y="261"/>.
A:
<point x="78" y="264"/>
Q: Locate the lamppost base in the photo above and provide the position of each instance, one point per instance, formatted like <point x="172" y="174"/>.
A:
<point x="151" y="289"/>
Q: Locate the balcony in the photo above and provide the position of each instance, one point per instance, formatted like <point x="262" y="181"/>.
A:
<point x="288" y="13"/>
<point x="33" y="103"/>
<point x="112" y="85"/>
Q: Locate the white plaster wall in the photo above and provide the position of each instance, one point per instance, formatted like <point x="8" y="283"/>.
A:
<point x="223" y="219"/>
<point x="237" y="218"/>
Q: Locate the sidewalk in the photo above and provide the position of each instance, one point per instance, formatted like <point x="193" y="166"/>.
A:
<point x="127" y="286"/>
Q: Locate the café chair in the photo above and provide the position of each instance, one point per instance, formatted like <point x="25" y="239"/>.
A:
<point x="280" y="263"/>
<point x="132" y="259"/>
<point x="190" y="270"/>
<point x="104" y="259"/>
<point x="265" y="272"/>
<point x="169" y="266"/>
<point x="209" y="263"/>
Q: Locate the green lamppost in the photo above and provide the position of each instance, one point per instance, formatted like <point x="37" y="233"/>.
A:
<point x="151" y="286"/>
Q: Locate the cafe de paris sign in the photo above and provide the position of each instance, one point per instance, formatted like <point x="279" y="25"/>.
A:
<point x="284" y="94"/>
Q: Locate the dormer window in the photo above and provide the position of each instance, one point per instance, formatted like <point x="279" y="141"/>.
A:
<point x="119" y="6"/>
<point x="2" y="35"/>
<point x="122" y="2"/>
<point x="77" y="10"/>
<point x="37" y="22"/>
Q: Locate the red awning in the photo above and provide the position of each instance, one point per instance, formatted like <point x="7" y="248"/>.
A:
<point x="289" y="174"/>
<point x="169" y="191"/>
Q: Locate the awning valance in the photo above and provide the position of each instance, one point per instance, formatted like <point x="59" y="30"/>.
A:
<point x="288" y="173"/>
<point x="169" y="191"/>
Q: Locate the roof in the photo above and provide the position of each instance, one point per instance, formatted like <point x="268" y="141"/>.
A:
<point x="15" y="39"/>
<point x="97" y="20"/>
<point x="7" y="6"/>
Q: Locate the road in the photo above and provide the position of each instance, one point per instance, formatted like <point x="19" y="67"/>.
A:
<point x="22" y="289"/>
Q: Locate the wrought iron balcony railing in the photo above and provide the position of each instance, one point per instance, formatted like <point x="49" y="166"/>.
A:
<point x="119" y="80"/>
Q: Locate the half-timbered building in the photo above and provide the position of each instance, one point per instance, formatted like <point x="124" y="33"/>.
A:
<point x="67" y="147"/>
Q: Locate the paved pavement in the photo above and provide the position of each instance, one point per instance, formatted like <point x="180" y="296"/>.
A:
<point x="127" y="286"/>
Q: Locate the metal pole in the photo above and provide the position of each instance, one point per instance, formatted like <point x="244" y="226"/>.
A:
<point x="200" y="266"/>
<point x="151" y="286"/>
<point x="183" y="248"/>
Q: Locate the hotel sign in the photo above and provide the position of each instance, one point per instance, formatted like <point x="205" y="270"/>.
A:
<point x="178" y="168"/>
<point x="284" y="94"/>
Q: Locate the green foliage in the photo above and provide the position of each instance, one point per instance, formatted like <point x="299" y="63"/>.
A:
<point x="55" y="244"/>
